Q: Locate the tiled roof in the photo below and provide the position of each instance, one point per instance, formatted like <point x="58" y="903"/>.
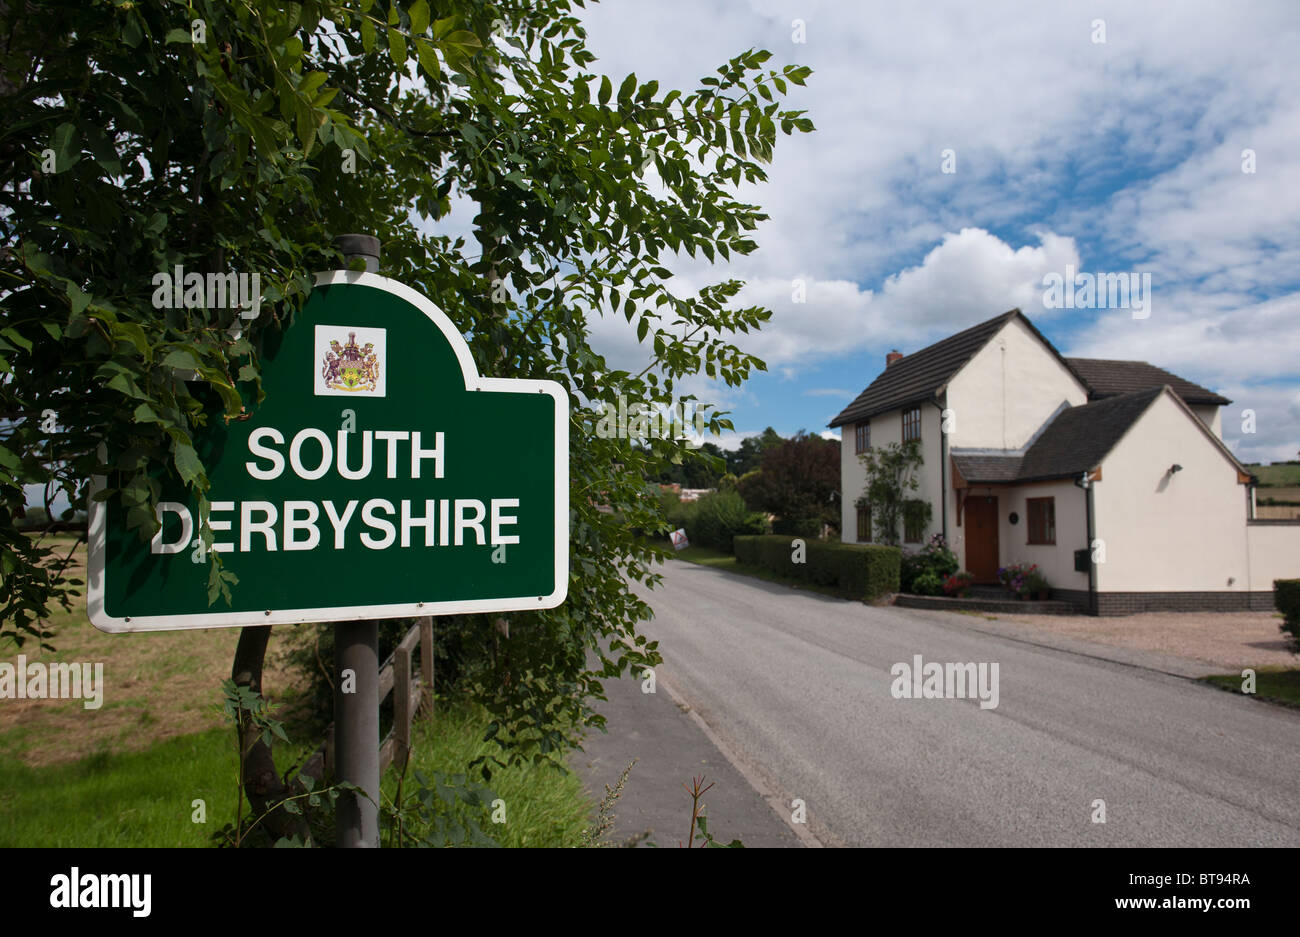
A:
<point x="1106" y="378"/>
<point x="917" y="376"/>
<point x="1076" y="441"/>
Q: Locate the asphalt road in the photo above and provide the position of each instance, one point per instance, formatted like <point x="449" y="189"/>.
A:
<point x="799" y="687"/>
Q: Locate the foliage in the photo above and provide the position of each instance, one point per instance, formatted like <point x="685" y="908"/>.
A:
<point x="720" y="517"/>
<point x="245" y="708"/>
<point x="798" y="526"/>
<point x="1286" y="596"/>
<point x="935" y="558"/>
<point x="857" y="571"/>
<point x="748" y="456"/>
<point x="928" y="583"/>
<point x="433" y="817"/>
<point x="798" y="482"/>
<point x="916" y="514"/>
<point x="234" y="152"/>
<point x="958" y="584"/>
<point x="891" y="472"/>
<point x="594" y="836"/>
<point x="695" y="473"/>
<point x="715" y="519"/>
<point x="698" y="789"/>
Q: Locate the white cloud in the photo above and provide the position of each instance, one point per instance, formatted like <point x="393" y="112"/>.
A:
<point x="1112" y="157"/>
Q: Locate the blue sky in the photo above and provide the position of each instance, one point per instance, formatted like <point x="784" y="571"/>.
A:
<point x="1115" y="156"/>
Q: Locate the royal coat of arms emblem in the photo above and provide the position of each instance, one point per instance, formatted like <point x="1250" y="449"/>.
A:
<point x="351" y="367"/>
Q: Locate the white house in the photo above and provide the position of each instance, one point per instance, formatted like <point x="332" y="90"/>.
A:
<point x="1110" y="475"/>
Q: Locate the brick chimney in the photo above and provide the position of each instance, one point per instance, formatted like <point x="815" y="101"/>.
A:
<point x="893" y="357"/>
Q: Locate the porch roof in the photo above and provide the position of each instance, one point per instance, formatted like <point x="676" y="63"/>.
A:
<point x="1073" y="443"/>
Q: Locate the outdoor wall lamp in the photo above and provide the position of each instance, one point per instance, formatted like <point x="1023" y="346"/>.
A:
<point x="1175" y="468"/>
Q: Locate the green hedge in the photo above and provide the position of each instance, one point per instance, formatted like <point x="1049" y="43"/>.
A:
<point x="858" y="571"/>
<point x="1286" y="596"/>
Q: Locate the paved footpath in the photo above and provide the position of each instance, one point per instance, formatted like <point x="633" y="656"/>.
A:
<point x="671" y="746"/>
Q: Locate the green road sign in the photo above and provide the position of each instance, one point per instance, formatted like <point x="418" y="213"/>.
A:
<point x="380" y="478"/>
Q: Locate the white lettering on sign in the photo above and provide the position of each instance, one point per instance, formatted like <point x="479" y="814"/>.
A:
<point x="312" y="454"/>
<point x="301" y="525"/>
<point x="187" y="528"/>
<point x="376" y="523"/>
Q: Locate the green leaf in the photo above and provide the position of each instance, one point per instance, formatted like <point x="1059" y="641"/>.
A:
<point x="626" y="88"/>
<point x="419" y="13"/>
<point x="397" y="47"/>
<point x="187" y="463"/>
<point x="67" y="147"/>
<point x="428" y="59"/>
<point x="178" y="35"/>
<point x="368" y="34"/>
<point x="16" y="337"/>
<point x="182" y="358"/>
<point x="79" y="299"/>
<point x="606" y="89"/>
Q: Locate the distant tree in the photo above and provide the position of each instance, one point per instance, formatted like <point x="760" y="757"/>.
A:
<point x="33" y="517"/>
<point x="798" y="481"/>
<point x="696" y="472"/>
<point x="750" y="454"/>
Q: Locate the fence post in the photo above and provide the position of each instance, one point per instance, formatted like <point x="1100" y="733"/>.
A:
<point x="426" y="662"/>
<point x="402" y="705"/>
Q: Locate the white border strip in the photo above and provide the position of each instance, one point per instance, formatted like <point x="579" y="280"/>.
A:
<point x="98" y="513"/>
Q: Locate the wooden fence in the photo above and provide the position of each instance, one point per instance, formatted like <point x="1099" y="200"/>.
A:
<point x="412" y="692"/>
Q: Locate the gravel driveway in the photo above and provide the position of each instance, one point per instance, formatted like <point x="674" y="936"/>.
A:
<point x="1228" y="641"/>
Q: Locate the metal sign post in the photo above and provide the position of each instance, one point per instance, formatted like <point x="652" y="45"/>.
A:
<point x="356" y="713"/>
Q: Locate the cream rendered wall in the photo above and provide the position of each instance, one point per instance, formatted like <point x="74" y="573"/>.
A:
<point x="1166" y="533"/>
<point x="1005" y="393"/>
<point x="1210" y="416"/>
<point x="1274" y="554"/>
<point x="1055" y="562"/>
<point x="887" y="428"/>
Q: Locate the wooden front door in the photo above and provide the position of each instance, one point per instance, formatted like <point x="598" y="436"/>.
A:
<point x="982" y="537"/>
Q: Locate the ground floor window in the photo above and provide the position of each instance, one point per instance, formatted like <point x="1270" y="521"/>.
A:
<point x="912" y="527"/>
<point x="864" y="525"/>
<point x="1041" y="520"/>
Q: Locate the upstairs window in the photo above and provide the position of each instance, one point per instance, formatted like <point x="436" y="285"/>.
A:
<point x="862" y="436"/>
<point x="1041" y="520"/>
<point x="911" y="423"/>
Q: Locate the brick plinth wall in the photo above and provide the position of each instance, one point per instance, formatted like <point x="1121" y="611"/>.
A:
<point x="1131" y="603"/>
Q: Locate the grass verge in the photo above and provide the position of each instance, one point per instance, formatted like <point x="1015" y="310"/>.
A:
<point x="1275" y="685"/>
<point x="146" y="797"/>
<point x="543" y="806"/>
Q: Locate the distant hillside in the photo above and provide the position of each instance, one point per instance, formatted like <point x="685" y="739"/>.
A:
<point x="1276" y="476"/>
